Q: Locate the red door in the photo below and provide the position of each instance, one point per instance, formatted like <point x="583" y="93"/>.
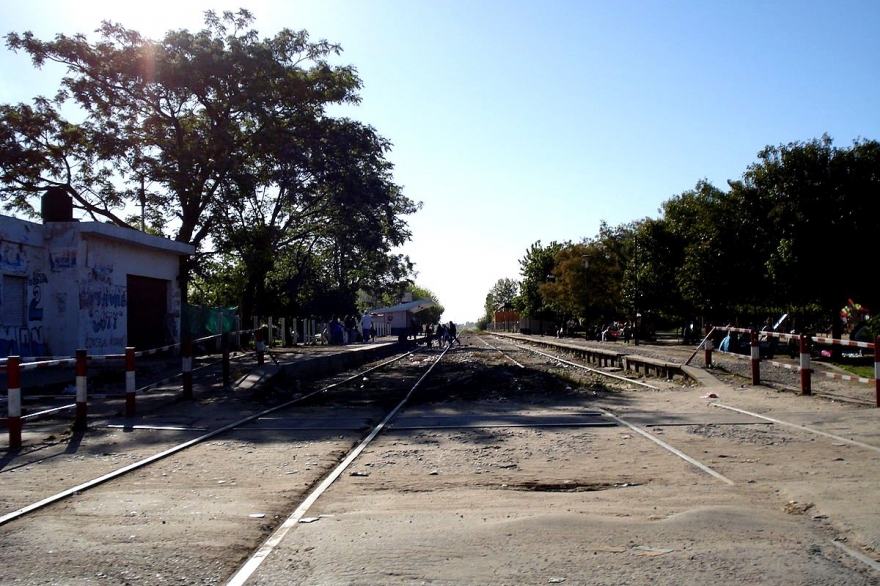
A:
<point x="147" y="312"/>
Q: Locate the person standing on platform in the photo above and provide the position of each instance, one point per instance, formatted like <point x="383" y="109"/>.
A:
<point x="337" y="332"/>
<point x="350" y="324"/>
<point x="366" y="326"/>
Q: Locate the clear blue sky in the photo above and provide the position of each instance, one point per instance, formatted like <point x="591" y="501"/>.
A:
<point x="517" y="121"/>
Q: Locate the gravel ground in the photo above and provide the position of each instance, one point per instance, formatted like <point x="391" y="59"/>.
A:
<point x="735" y="370"/>
<point x="501" y="497"/>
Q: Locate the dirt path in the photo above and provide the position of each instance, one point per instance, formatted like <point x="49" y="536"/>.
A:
<point x="496" y="495"/>
<point x="596" y="505"/>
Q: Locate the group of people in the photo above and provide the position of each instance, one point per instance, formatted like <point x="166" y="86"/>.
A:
<point x="611" y="332"/>
<point x="445" y="334"/>
<point x="346" y="331"/>
<point x="350" y="330"/>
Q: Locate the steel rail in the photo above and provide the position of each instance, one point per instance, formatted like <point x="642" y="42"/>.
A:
<point x="668" y="447"/>
<point x="180" y="447"/>
<point x="596" y="371"/>
<point x="801" y="427"/>
<point x="259" y="556"/>
<point x="502" y="352"/>
<point x="641" y="431"/>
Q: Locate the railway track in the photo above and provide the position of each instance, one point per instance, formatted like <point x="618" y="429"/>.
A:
<point x="131" y="467"/>
<point x="380" y="476"/>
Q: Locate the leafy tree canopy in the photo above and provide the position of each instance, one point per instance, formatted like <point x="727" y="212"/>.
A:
<point x="176" y="116"/>
<point x="222" y="138"/>
<point x="536" y="267"/>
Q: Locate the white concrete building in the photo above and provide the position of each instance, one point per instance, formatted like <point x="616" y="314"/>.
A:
<point x="66" y="285"/>
<point x="399" y="317"/>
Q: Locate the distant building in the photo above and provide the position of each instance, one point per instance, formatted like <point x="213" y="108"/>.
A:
<point x="68" y="285"/>
<point x="506" y="320"/>
<point x="399" y="318"/>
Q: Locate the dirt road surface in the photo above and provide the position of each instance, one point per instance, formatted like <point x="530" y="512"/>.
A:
<point x="482" y="479"/>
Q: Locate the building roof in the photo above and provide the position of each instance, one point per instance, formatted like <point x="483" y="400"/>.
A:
<point x="413" y="306"/>
<point x="21" y="231"/>
<point x="134" y="237"/>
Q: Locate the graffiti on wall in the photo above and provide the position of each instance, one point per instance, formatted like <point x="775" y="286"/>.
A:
<point x="34" y="330"/>
<point x="9" y="341"/>
<point x="60" y="260"/>
<point x="11" y="257"/>
<point x="61" y="302"/>
<point x="103" y="305"/>
<point x="27" y="339"/>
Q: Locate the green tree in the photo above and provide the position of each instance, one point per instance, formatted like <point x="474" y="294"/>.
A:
<point x="566" y="291"/>
<point x="586" y="283"/>
<point x="328" y="198"/>
<point x="823" y="216"/>
<point x="501" y="295"/>
<point x="217" y="281"/>
<point x="716" y="240"/>
<point x="182" y="112"/>
<point x="536" y="267"/>
<point x="611" y="253"/>
<point x="654" y="256"/>
<point x="223" y="134"/>
<point x="179" y="115"/>
<point x="431" y="315"/>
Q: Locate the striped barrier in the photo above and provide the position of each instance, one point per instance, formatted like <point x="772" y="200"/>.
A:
<point x="805" y="342"/>
<point x="13" y="366"/>
<point x="129" y="382"/>
<point x="186" y="353"/>
<point x="14" y="392"/>
<point x="80" y="421"/>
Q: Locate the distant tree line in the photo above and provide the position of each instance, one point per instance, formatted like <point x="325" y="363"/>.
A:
<point x="797" y="235"/>
<point x="222" y="140"/>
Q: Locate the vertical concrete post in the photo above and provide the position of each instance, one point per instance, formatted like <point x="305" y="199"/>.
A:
<point x="708" y="346"/>
<point x="80" y="420"/>
<point x="224" y="348"/>
<point x="187" y="359"/>
<point x="129" y="381"/>
<point x="877" y="371"/>
<point x="282" y="322"/>
<point x="259" y="346"/>
<point x="756" y="358"/>
<point x="13" y="393"/>
<point x="806" y="372"/>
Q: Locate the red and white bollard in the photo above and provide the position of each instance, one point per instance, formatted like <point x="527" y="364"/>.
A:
<point x="80" y="420"/>
<point x="129" y="382"/>
<point x="707" y="346"/>
<point x="877" y="371"/>
<point x="187" y="373"/>
<point x="805" y="370"/>
<point x="13" y="385"/>
<point x="756" y="358"/>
